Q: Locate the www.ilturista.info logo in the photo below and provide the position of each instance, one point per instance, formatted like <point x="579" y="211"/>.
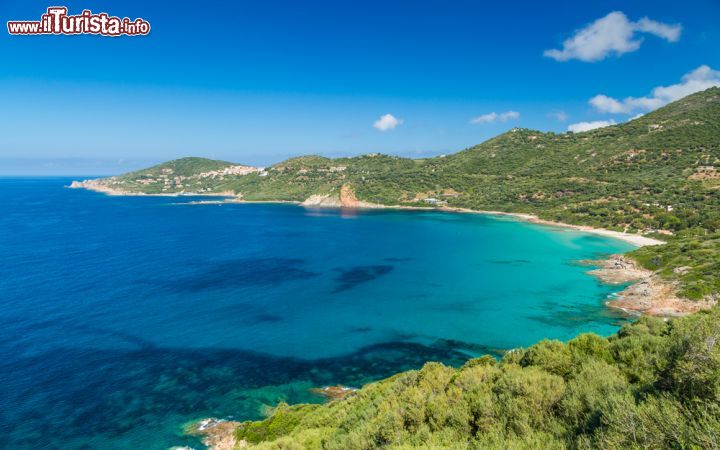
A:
<point x="56" y="21"/>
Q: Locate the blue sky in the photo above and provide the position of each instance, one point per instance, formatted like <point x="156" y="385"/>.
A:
<point x="257" y="82"/>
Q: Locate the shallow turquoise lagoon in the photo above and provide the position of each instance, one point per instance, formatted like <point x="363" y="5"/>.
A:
<point x="121" y="318"/>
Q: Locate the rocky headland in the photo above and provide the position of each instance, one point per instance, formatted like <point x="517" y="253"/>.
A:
<point x="649" y="293"/>
<point x="346" y="199"/>
<point x="221" y="434"/>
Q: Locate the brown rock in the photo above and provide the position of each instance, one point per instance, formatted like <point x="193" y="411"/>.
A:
<point x="334" y="392"/>
<point x="618" y="270"/>
<point x="650" y="294"/>
<point x="218" y="434"/>
<point x="348" y="198"/>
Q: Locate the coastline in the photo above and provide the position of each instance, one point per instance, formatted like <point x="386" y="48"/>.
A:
<point x="93" y="185"/>
<point x="635" y="239"/>
<point x="216" y="434"/>
<point x="347" y="200"/>
<point x="220" y="434"/>
<point x="647" y="294"/>
<point x="227" y="197"/>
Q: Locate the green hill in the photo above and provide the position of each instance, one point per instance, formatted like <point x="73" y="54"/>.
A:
<point x="182" y="167"/>
<point x="173" y="176"/>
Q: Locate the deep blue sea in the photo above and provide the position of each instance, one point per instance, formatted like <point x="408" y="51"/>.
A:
<point x="123" y="318"/>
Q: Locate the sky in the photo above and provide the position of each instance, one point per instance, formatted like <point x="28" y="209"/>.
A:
<point x="258" y="82"/>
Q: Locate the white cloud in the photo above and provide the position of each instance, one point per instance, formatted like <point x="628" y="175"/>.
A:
<point x="698" y="80"/>
<point x="494" y="117"/>
<point x="485" y="118"/>
<point x="587" y="126"/>
<point x="612" y="34"/>
<point x="668" y="32"/>
<point x="387" y="122"/>
<point x="607" y="104"/>
<point x="509" y="115"/>
<point x="560" y="116"/>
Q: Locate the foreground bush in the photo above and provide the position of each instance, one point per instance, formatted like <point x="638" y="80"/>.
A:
<point x="655" y="384"/>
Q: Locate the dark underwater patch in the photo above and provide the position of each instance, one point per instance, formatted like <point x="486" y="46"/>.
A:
<point x="361" y="330"/>
<point x="587" y="238"/>
<point x="514" y="262"/>
<point x="239" y="273"/>
<point x="354" y="276"/>
<point x="572" y="317"/>
<point x="82" y="394"/>
<point x="250" y="312"/>
<point x="474" y="307"/>
<point x="268" y="318"/>
<point x="396" y="259"/>
<point x="470" y="347"/>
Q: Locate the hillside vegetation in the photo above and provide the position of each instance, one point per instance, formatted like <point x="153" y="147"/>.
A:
<point x="659" y="173"/>
<point x="653" y="385"/>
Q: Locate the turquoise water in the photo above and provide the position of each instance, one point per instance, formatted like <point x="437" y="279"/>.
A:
<point x="122" y="318"/>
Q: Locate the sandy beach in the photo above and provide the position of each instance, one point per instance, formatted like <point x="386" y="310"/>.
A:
<point x="634" y="239"/>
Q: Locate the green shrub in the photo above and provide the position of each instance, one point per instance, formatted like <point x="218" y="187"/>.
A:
<point x="653" y="385"/>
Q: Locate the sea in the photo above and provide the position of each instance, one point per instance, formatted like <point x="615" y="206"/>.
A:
<point x="123" y="319"/>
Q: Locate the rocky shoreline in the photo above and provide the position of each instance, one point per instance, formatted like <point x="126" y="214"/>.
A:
<point x="220" y="434"/>
<point x="94" y="185"/>
<point x="216" y="434"/>
<point x="649" y="294"/>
